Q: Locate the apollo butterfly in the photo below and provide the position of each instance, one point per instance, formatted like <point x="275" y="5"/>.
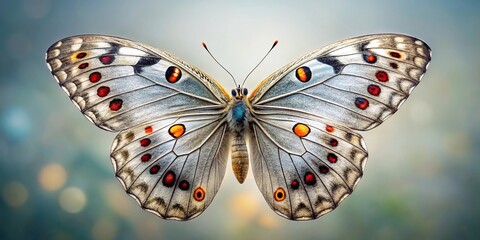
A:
<point x="177" y="126"/>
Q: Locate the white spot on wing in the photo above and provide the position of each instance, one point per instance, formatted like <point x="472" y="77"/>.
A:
<point x="131" y="51"/>
<point x="75" y="47"/>
<point x="89" y="115"/>
<point x="53" y="53"/>
<point x="71" y="87"/>
<point x="55" y="64"/>
<point x="61" y="75"/>
<point x="57" y="44"/>
<point x="422" y="52"/>
<point x="399" y="39"/>
<point x="420" y="62"/>
<point x="80" y="101"/>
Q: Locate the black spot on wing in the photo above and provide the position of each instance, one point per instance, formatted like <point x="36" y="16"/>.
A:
<point x="145" y="62"/>
<point x="332" y="61"/>
<point x="114" y="47"/>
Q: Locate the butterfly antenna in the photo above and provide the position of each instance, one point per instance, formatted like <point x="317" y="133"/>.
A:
<point x="205" y="46"/>
<point x="274" y="44"/>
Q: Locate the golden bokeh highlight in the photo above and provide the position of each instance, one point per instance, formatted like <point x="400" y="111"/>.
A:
<point x="15" y="194"/>
<point x="52" y="177"/>
<point x="116" y="199"/>
<point x="245" y="206"/>
<point x="268" y="220"/>
<point x="104" y="229"/>
<point x="72" y="200"/>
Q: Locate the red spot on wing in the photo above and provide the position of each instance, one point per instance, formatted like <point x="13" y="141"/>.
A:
<point x="106" y="59"/>
<point x="294" y="184"/>
<point x="373" y="89"/>
<point x="361" y="103"/>
<point x="333" y="142"/>
<point x="146" y="157"/>
<point x="83" y="65"/>
<point x="332" y="158"/>
<point x="381" y="76"/>
<point x="310" y="178"/>
<point x="95" y="77"/>
<point x="323" y="169"/>
<point x="395" y="54"/>
<point x="145" y="142"/>
<point x="154" y="169"/>
<point x="169" y="179"/>
<point x="184" y="185"/>
<point x="81" y="55"/>
<point x="103" y="91"/>
<point x="116" y="104"/>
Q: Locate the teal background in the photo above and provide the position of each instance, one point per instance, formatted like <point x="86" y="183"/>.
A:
<point x="421" y="181"/>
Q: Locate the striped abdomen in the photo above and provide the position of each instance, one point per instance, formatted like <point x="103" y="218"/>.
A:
<point x="239" y="157"/>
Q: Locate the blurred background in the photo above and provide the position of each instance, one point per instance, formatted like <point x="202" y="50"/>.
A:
<point x="421" y="181"/>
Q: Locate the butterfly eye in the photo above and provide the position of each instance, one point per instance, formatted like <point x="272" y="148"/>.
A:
<point x="245" y="92"/>
<point x="234" y="92"/>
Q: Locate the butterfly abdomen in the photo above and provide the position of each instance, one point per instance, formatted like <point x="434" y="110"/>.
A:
<point x="237" y="120"/>
<point x="239" y="157"/>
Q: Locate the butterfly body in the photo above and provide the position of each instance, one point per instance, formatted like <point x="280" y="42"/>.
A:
<point x="238" y="122"/>
<point x="177" y="126"/>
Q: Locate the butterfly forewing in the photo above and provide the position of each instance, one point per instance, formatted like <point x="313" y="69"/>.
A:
<point x="117" y="83"/>
<point x="357" y="82"/>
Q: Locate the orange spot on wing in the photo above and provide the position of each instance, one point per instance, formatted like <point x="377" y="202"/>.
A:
<point x="329" y="128"/>
<point x="301" y="129"/>
<point x="148" y="130"/>
<point x="199" y="194"/>
<point x="177" y="130"/>
<point x="279" y="195"/>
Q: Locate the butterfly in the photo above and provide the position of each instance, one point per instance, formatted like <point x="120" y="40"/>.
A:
<point x="178" y="127"/>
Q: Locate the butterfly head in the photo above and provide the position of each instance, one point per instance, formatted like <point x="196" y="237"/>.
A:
<point x="239" y="92"/>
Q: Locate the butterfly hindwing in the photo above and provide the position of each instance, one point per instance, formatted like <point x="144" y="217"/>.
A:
<point x="357" y="82"/>
<point x="173" y="167"/>
<point x="303" y="166"/>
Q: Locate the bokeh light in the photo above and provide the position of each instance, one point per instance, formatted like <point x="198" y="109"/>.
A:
<point x="52" y="177"/>
<point x="72" y="200"/>
<point x="104" y="229"/>
<point x="15" y="123"/>
<point x="15" y="194"/>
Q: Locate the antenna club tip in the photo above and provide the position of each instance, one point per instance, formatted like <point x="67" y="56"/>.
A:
<point x="204" y="45"/>
<point x="275" y="43"/>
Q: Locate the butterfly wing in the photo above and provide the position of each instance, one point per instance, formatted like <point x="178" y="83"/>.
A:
<point x="306" y="158"/>
<point x="117" y="83"/>
<point x="303" y="166"/>
<point x="173" y="167"/>
<point x="170" y="154"/>
<point x="357" y="82"/>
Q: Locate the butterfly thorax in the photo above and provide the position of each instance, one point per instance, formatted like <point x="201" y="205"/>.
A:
<point x="237" y="118"/>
